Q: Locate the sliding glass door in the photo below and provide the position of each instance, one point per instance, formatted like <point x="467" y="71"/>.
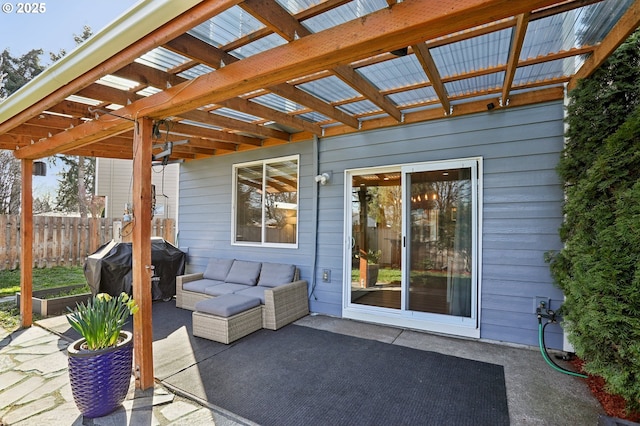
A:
<point x="413" y="244"/>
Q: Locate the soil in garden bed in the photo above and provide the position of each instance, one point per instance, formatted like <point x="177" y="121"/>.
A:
<point x="613" y="405"/>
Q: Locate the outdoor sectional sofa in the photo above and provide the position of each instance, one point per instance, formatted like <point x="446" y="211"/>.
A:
<point x="233" y="298"/>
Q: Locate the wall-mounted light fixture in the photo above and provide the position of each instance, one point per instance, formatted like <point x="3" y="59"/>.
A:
<point x="323" y="178"/>
<point x="39" y="168"/>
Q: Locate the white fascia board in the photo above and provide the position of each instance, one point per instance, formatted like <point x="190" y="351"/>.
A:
<point x="138" y="21"/>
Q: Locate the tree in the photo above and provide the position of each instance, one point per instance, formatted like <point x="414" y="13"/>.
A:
<point x="10" y="183"/>
<point x="18" y="71"/>
<point x="599" y="267"/>
<point x="76" y="184"/>
<point x="14" y="73"/>
<point x="75" y="192"/>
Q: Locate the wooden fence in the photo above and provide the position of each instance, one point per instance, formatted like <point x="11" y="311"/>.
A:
<point x="65" y="241"/>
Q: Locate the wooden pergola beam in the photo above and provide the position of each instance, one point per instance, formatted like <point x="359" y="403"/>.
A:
<point x="514" y="54"/>
<point x="26" y="244"/>
<point x="141" y="254"/>
<point x="169" y="31"/>
<point x="618" y="34"/>
<point x="429" y="66"/>
<point x="289" y="28"/>
<point x="406" y="23"/>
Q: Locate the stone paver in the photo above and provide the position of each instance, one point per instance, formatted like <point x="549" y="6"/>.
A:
<point x="35" y="390"/>
<point x="52" y="386"/>
<point x="25" y="411"/>
<point x="174" y="411"/>
<point x="14" y="393"/>
<point x="64" y="414"/>
<point x="10" y="378"/>
<point x="47" y="364"/>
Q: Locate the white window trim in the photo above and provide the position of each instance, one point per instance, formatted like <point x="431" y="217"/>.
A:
<point x="234" y="203"/>
<point x="415" y="320"/>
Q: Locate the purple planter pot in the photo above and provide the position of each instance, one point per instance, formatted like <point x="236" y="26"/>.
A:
<point x="100" y="379"/>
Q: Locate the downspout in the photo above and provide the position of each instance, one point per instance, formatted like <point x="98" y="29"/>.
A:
<point x="316" y="193"/>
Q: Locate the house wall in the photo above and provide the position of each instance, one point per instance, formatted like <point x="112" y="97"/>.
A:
<point x="522" y="199"/>
<point x="114" y="180"/>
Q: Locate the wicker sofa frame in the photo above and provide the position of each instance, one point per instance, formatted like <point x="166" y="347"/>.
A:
<point x="283" y="304"/>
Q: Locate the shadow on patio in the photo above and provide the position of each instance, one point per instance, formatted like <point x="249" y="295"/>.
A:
<point x="325" y="370"/>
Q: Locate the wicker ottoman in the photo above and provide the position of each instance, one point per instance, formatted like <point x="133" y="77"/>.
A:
<point x="227" y="318"/>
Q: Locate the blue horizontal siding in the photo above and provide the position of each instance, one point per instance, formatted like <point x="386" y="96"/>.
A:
<point x="522" y="200"/>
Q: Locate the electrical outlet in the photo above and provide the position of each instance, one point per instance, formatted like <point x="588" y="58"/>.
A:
<point x="541" y="302"/>
<point x="326" y="275"/>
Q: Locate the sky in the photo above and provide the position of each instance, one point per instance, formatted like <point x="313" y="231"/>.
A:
<point x="52" y="29"/>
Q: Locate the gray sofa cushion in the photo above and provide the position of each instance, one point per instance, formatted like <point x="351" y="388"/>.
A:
<point x="253" y="291"/>
<point x="217" y="269"/>
<point x="224" y="288"/>
<point x="275" y="274"/>
<point x="244" y="272"/>
<point x="199" y="286"/>
<point x="227" y="305"/>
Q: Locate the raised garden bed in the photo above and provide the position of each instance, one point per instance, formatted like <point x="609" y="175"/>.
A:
<point x="54" y="301"/>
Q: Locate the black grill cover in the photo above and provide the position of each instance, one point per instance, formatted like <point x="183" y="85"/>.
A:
<point x="108" y="270"/>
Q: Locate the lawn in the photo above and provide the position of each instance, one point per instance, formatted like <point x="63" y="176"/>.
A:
<point x="43" y="278"/>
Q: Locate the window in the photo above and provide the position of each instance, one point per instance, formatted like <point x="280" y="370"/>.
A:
<point x="266" y="202"/>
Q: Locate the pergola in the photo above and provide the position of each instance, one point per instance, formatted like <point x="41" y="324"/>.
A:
<point x="200" y="78"/>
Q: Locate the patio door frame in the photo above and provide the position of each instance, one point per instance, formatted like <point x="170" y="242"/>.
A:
<point x="466" y="327"/>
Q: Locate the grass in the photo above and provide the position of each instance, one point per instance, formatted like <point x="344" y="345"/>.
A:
<point x="43" y="278"/>
<point x="394" y="275"/>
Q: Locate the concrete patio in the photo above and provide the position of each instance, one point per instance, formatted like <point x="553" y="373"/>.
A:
<point x="35" y="386"/>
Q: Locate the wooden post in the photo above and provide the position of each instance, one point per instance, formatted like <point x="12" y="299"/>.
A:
<point x="26" y="245"/>
<point x="141" y="253"/>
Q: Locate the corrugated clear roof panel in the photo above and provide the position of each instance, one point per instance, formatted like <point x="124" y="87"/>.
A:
<point x="360" y="108"/>
<point x="258" y="46"/>
<point x="329" y="89"/>
<point x="83" y="100"/>
<point x="314" y="117"/>
<point x="475" y="85"/>
<point x="148" y="91"/>
<point x="199" y="124"/>
<point x="400" y="72"/>
<point x="237" y="115"/>
<point x="278" y="103"/>
<point x="597" y="20"/>
<point x="297" y="6"/>
<point x="544" y="71"/>
<point x="340" y="15"/>
<point x="413" y="97"/>
<point x="226" y="27"/>
<point x="196" y="71"/>
<point x="118" y="82"/>
<point x="162" y="59"/>
<point x="585" y="26"/>
<point x="476" y="53"/>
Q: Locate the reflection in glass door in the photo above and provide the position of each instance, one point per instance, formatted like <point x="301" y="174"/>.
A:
<point x="413" y="246"/>
<point x="440" y="241"/>
<point x="376" y="227"/>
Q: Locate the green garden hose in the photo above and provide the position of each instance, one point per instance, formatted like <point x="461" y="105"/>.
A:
<point x="543" y="350"/>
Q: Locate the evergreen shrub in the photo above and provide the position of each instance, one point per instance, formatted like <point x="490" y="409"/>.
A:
<point x="599" y="267"/>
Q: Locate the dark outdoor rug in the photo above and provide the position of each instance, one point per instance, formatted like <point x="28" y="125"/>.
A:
<point x="304" y="376"/>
